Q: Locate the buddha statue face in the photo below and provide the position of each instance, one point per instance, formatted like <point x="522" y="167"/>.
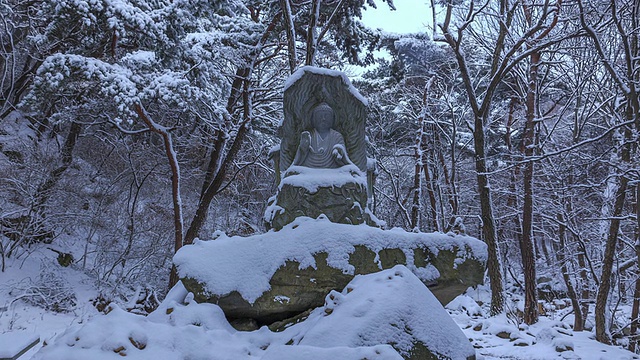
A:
<point x="322" y="117"/>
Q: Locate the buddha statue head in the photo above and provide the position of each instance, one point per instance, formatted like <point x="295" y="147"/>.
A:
<point x="322" y="117"/>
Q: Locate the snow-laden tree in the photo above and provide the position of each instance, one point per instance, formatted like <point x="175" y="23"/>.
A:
<point x="508" y="34"/>
<point x="197" y="80"/>
<point x="415" y="125"/>
<point x="162" y="67"/>
<point x="612" y="28"/>
<point x="329" y="32"/>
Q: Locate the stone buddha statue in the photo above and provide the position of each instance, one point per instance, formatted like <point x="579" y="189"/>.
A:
<point x="323" y="147"/>
<point x="321" y="165"/>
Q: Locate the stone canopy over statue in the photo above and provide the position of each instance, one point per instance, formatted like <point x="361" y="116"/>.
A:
<point x="321" y="164"/>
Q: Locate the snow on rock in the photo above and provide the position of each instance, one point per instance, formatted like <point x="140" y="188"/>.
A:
<point x="246" y="264"/>
<point x="504" y="337"/>
<point x="464" y="303"/>
<point x="312" y="178"/>
<point x="379" y="352"/>
<point x="297" y="75"/>
<point x="249" y="276"/>
<point x="388" y="307"/>
<point x="120" y="333"/>
<point x="189" y="331"/>
<point x="340" y="194"/>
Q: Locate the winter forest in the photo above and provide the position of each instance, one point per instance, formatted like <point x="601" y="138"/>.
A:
<point x="131" y="128"/>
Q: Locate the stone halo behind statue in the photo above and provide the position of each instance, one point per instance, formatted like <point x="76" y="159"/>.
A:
<point x="309" y="87"/>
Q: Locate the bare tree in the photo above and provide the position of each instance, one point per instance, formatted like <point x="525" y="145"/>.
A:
<point x="225" y="149"/>
<point x="622" y="67"/>
<point x="505" y="51"/>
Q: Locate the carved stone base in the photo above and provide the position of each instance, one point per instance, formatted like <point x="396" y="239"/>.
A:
<point x="339" y="194"/>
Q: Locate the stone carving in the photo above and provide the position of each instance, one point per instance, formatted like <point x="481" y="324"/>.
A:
<point x="305" y="90"/>
<point x="323" y="147"/>
<point x="323" y="130"/>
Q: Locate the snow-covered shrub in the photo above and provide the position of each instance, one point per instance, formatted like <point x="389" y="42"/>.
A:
<point x="144" y="301"/>
<point x="49" y="291"/>
<point x="26" y="162"/>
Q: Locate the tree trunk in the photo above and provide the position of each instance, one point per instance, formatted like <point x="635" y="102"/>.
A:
<point x="585" y="294"/>
<point x="417" y="186"/>
<point x="291" y="34"/>
<point x="602" y="331"/>
<point x="312" y="39"/>
<point x="529" y="142"/>
<point x="512" y="196"/>
<point x="449" y="177"/>
<point x="431" y="193"/>
<point x="454" y="197"/>
<point x="578" y="322"/>
<point x="526" y="248"/>
<point x="512" y="203"/>
<point x="488" y="222"/>
<point x="425" y="149"/>
<point x="635" y="309"/>
<point x="583" y="284"/>
<point x="175" y="182"/>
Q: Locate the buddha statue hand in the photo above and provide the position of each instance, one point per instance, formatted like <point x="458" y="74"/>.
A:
<point x="340" y="154"/>
<point x="305" y="140"/>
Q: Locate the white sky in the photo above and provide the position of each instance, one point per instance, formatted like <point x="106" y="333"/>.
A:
<point x="410" y="16"/>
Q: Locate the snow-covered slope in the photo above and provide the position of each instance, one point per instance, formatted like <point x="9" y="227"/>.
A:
<point x="161" y="329"/>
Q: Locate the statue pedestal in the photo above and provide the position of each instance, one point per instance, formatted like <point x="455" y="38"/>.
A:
<point x="340" y="194"/>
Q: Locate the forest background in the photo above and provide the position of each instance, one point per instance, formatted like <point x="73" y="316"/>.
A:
<point x="129" y="128"/>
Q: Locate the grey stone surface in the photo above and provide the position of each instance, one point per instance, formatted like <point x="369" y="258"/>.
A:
<point x="344" y="202"/>
<point x="323" y="127"/>
<point x="294" y="290"/>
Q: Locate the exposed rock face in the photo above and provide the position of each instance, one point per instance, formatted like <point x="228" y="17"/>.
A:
<point x="318" y="256"/>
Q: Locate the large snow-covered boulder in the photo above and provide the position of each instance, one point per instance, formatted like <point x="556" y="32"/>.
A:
<point x="389" y="307"/>
<point x="182" y="329"/>
<point x="277" y="275"/>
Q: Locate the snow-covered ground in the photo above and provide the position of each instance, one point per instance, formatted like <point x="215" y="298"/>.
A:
<point x="498" y="337"/>
<point x="21" y="285"/>
<point x="503" y="337"/>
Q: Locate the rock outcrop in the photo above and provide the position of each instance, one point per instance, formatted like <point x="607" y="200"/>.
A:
<point x="277" y="275"/>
